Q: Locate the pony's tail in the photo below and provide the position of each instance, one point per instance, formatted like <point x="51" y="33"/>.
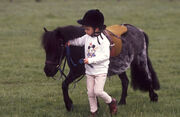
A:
<point x="155" y="81"/>
<point x="139" y="76"/>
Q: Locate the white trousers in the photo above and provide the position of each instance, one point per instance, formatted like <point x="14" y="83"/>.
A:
<point x="95" y="88"/>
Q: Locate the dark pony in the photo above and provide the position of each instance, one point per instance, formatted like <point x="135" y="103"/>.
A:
<point x="134" y="54"/>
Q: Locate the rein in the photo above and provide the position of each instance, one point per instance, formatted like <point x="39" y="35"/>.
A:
<point x="59" y="65"/>
<point x="69" y="59"/>
<point x="68" y="56"/>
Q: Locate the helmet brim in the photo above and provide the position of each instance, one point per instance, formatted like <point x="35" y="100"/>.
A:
<point x="81" y="22"/>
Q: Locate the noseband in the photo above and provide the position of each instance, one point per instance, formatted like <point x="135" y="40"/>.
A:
<point x="50" y="62"/>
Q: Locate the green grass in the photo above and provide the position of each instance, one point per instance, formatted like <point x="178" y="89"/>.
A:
<point x="26" y="92"/>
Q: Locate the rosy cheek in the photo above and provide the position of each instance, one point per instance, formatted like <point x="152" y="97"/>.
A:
<point x="86" y="32"/>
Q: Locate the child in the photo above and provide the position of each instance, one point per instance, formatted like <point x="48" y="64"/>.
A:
<point x="96" y="60"/>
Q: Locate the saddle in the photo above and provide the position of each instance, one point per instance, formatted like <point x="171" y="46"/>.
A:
<point x="113" y="33"/>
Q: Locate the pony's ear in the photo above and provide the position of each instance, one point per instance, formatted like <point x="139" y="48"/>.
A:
<point x="45" y="29"/>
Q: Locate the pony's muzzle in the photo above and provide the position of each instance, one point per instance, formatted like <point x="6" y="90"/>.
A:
<point x="50" y="70"/>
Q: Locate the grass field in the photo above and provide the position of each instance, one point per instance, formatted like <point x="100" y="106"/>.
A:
<point x="26" y="92"/>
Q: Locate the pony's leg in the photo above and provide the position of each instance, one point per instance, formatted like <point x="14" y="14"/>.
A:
<point x="153" y="96"/>
<point x="125" y="82"/>
<point x="67" y="100"/>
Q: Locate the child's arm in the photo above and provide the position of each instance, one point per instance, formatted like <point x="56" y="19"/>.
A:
<point x="78" y="41"/>
<point x="103" y="56"/>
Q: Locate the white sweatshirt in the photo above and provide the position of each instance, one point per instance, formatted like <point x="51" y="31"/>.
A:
<point x="97" y="54"/>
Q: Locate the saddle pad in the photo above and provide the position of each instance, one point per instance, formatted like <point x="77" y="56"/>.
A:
<point x="114" y="33"/>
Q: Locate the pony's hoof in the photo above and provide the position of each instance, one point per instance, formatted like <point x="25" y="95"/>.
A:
<point x="154" y="98"/>
<point x="70" y="107"/>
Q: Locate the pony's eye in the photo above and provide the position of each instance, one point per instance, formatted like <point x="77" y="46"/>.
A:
<point x="93" y="46"/>
<point x="89" y="47"/>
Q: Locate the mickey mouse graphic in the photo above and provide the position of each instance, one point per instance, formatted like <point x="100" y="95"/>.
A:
<point x="91" y="50"/>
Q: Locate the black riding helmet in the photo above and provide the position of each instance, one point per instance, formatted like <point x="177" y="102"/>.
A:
<point x="93" y="18"/>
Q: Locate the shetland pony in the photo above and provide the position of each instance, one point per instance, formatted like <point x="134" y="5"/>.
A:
<point x="134" y="54"/>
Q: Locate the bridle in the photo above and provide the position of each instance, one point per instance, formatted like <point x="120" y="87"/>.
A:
<point x="58" y="64"/>
<point x="67" y="59"/>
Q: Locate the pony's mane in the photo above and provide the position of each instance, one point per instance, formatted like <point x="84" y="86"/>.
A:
<point x="71" y="32"/>
<point x="50" y="39"/>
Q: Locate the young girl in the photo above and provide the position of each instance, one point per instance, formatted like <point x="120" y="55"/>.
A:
<point x="96" y="60"/>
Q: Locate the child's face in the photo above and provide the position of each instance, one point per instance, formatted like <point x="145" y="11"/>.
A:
<point x="89" y="30"/>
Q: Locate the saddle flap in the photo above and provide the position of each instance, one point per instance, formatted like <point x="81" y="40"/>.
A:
<point x="114" y="33"/>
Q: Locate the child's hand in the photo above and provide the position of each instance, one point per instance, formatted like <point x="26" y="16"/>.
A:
<point x="86" y="61"/>
<point x="68" y="43"/>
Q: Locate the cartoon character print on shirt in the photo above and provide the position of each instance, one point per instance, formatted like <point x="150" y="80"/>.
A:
<point x="91" y="50"/>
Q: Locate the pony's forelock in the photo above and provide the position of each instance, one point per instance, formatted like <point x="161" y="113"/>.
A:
<point x="50" y="40"/>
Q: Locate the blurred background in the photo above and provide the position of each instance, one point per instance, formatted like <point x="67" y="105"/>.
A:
<point x="26" y="92"/>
